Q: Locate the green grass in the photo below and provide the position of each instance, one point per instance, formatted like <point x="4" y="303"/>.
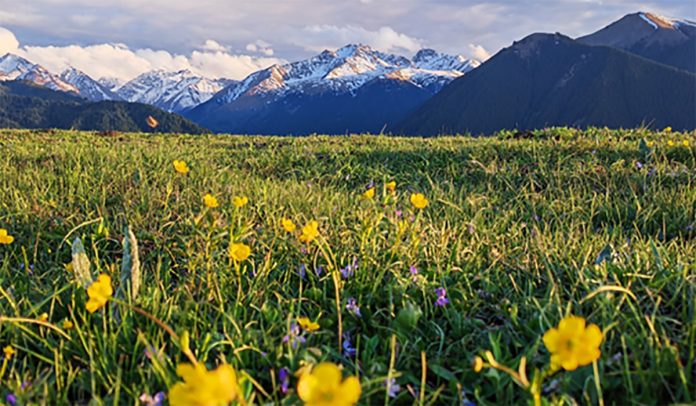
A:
<point x="513" y="232"/>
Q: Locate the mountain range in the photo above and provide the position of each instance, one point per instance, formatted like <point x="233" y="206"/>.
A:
<point x="353" y="89"/>
<point x="639" y="70"/>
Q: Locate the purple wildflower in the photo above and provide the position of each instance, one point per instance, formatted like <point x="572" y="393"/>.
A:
<point x="302" y="271"/>
<point x="25" y="385"/>
<point x="319" y="270"/>
<point x="349" y="269"/>
<point x="348" y="350"/>
<point x="156" y="400"/>
<point x="393" y="388"/>
<point x="11" y="399"/>
<point x="639" y="165"/>
<point x="442" y="300"/>
<point x="304" y="250"/>
<point x="284" y="376"/>
<point x="352" y="306"/>
<point x="294" y="337"/>
<point x="399" y="213"/>
<point x="414" y="273"/>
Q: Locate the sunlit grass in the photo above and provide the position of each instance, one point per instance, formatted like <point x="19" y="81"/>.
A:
<point x="518" y="232"/>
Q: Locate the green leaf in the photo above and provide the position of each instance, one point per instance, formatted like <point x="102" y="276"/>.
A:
<point x="408" y="317"/>
<point x="442" y="372"/>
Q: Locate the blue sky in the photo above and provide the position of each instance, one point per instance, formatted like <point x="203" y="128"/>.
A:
<point x="233" y="38"/>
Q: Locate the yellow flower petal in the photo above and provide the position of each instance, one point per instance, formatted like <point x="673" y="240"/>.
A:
<point x="240" y="202"/>
<point x="239" y="251"/>
<point x="288" y="225"/>
<point x="419" y="201"/>
<point x="551" y="339"/>
<point x="210" y="201"/>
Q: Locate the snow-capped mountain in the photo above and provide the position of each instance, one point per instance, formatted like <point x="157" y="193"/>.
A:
<point x="88" y="88"/>
<point x="171" y="91"/>
<point x="13" y="67"/>
<point x="353" y="89"/>
<point x="666" y="40"/>
<point x="111" y="84"/>
<point x="347" y="69"/>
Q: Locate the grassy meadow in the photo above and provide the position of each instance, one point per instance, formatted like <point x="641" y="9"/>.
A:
<point x="516" y="235"/>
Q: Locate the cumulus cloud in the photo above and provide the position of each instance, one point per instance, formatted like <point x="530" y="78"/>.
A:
<point x="261" y="47"/>
<point x="478" y="52"/>
<point x="319" y="37"/>
<point x="119" y="61"/>
<point x="8" y="42"/>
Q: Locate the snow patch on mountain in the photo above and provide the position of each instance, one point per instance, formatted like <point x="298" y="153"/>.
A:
<point x="346" y="70"/>
<point x="88" y="88"/>
<point x="171" y="91"/>
<point x="13" y="67"/>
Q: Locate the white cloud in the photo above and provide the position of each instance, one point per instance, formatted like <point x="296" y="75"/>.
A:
<point x="119" y="61"/>
<point x="261" y="47"/>
<point x="213" y="46"/>
<point x="319" y="37"/>
<point x="8" y="42"/>
<point x="479" y="52"/>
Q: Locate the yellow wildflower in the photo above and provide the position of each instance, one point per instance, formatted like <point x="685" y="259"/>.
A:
<point x="239" y="251"/>
<point x="325" y="385"/>
<point x="210" y="201"/>
<point x="67" y="324"/>
<point x="181" y="167"/>
<point x="310" y="232"/>
<point x="369" y="193"/>
<point x="307" y="324"/>
<point x="201" y="387"/>
<point x="685" y="143"/>
<point x="667" y="129"/>
<point x="572" y="343"/>
<point x="390" y="186"/>
<point x="418" y="200"/>
<point x="5" y="238"/>
<point x="477" y="364"/>
<point x="650" y="144"/>
<point x="288" y="225"/>
<point x="240" y="202"/>
<point x="670" y="143"/>
<point x="43" y="317"/>
<point x="99" y="293"/>
<point x="9" y="352"/>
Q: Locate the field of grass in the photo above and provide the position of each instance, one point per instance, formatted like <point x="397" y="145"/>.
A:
<point x="519" y="232"/>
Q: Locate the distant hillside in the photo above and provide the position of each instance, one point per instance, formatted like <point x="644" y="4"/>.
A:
<point x="25" y="105"/>
<point x="546" y="80"/>
<point x="672" y="42"/>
